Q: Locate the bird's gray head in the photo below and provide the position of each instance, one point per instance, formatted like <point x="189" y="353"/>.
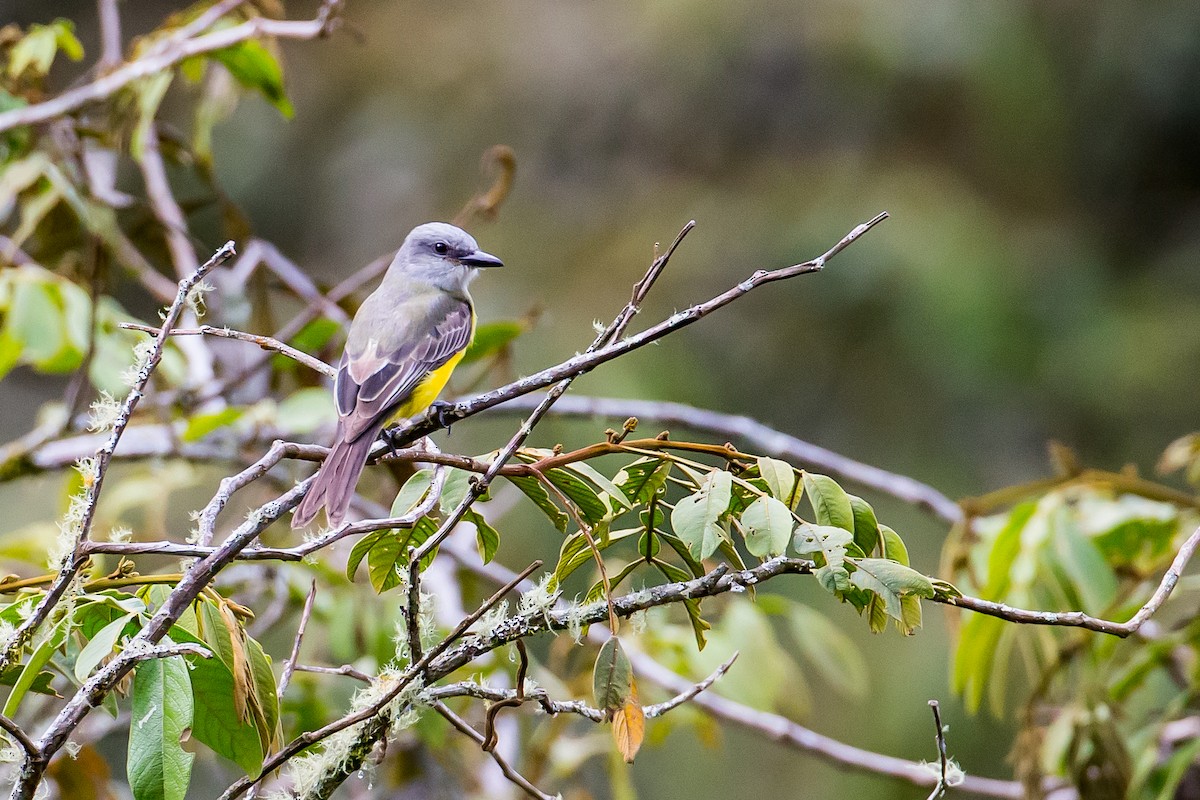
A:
<point x="442" y="254"/>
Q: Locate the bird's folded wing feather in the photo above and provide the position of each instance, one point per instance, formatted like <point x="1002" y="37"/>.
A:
<point x="378" y="374"/>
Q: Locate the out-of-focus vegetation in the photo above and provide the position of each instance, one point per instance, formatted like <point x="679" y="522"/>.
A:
<point x="1038" y="279"/>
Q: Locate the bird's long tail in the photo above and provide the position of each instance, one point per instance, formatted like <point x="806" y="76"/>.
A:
<point x="333" y="485"/>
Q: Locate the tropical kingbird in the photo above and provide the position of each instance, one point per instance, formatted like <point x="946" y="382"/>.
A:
<point x="403" y="343"/>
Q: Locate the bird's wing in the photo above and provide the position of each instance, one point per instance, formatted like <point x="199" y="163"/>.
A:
<point x="370" y="384"/>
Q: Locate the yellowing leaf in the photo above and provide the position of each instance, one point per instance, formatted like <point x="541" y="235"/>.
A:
<point x="629" y="726"/>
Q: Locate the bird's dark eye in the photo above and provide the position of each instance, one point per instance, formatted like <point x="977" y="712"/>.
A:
<point x="441" y="248"/>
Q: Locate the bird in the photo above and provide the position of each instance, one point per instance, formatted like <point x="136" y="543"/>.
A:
<point x="403" y="343"/>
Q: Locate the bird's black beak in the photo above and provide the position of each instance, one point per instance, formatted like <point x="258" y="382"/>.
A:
<point x="480" y="259"/>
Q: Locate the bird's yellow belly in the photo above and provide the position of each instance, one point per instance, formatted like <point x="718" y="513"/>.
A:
<point x="427" y="390"/>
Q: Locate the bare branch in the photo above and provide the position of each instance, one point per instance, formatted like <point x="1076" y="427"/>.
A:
<point x="662" y="708"/>
<point x="585" y="362"/>
<point x="939" y="789"/>
<point x="176" y="51"/>
<point x="782" y="730"/>
<point x="260" y="251"/>
<point x="14" y="730"/>
<point x="110" y="34"/>
<point x="344" y="669"/>
<point x="289" y="666"/>
<point x="163" y="204"/>
<point x="265" y="342"/>
<point x="762" y="438"/>
<point x="511" y="774"/>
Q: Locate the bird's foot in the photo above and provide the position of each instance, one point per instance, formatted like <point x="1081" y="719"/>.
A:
<point x="389" y="438"/>
<point x="441" y="414"/>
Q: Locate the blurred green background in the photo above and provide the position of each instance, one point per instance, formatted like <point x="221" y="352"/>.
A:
<point x="1037" y="280"/>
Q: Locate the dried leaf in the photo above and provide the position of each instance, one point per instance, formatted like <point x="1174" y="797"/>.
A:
<point x="629" y="726"/>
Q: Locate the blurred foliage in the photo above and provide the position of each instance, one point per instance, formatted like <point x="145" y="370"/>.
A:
<point x="1038" y="279"/>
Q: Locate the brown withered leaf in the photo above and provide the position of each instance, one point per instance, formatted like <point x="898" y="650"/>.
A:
<point x="629" y="726"/>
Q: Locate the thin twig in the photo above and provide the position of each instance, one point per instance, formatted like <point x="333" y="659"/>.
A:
<point x="939" y="789"/>
<point x="261" y="252"/>
<point x="613" y="625"/>
<point x="509" y="697"/>
<point x="1078" y="619"/>
<point x="265" y="342"/>
<point x="14" y="730"/>
<point x="589" y="360"/>
<point x="662" y="708"/>
<point x="109" y="17"/>
<point x="490" y="737"/>
<point x="289" y="666"/>
<point x="345" y="669"/>
<point x="413" y="612"/>
<point x="511" y="774"/>
<point x="784" y="731"/>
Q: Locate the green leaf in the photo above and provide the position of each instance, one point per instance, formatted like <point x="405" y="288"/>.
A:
<point x="538" y="493"/>
<point x="698" y="518"/>
<point x="386" y="552"/>
<point x="612" y="678"/>
<point x="455" y="488"/>
<point x="159" y="768"/>
<point x="201" y="425"/>
<point x="596" y="591"/>
<point x="35" y="322"/>
<point x="38" y="47"/>
<point x="264" y="704"/>
<point x="487" y="538"/>
<point x="893" y="545"/>
<point x="611" y="495"/>
<point x="643" y="479"/>
<point x="41" y="684"/>
<point x="767" y="523"/>
<point x="581" y="493"/>
<point x="890" y="582"/>
<point x="68" y="42"/>
<point x="1005" y="549"/>
<point x="491" y="338"/>
<point x="780" y="479"/>
<point x="700" y="626"/>
<point x="314" y="336"/>
<point x="218" y="723"/>
<point x="99" y="646"/>
<point x="827" y="541"/>
<point x="575" y="552"/>
<point x="1085" y="570"/>
<point x="255" y="67"/>
<point x="33" y="667"/>
<point x="829" y="501"/>
<point x="306" y="410"/>
<point x="149" y="92"/>
<point x="827" y="648"/>
<point x="681" y="549"/>
<point x="866" y="526"/>
<point x="974" y="658"/>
